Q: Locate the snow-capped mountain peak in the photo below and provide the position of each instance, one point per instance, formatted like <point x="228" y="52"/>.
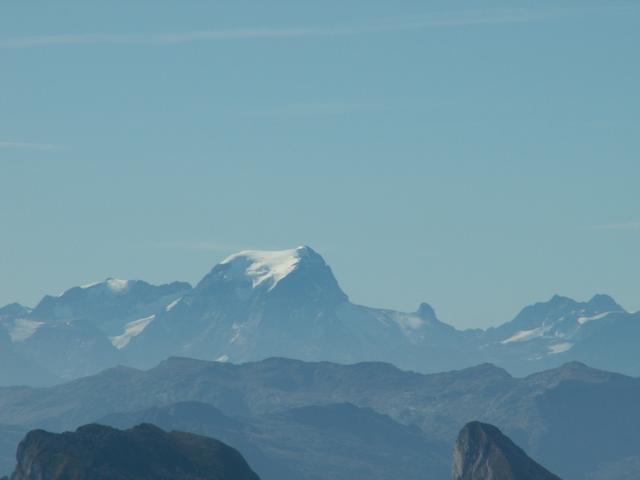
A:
<point x="114" y="285"/>
<point x="263" y="267"/>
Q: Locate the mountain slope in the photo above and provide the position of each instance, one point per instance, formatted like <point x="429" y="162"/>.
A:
<point x="144" y="452"/>
<point x="17" y="369"/>
<point x="482" y="452"/>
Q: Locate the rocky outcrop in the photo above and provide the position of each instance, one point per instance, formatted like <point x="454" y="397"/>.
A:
<point x="483" y="452"/>
<point x="144" y="452"/>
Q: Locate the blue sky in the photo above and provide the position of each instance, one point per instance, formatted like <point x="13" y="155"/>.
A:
<point x="473" y="155"/>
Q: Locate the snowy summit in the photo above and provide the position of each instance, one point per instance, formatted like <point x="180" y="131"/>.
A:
<point x="112" y="284"/>
<point x="265" y="267"/>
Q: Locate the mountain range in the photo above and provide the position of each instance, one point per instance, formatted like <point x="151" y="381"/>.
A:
<point x="319" y="420"/>
<point x="259" y="304"/>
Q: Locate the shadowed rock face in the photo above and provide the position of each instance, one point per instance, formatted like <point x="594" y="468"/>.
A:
<point x="144" y="452"/>
<point x="482" y="452"/>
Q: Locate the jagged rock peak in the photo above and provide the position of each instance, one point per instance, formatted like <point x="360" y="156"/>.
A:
<point x="605" y="303"/>
<point x="426" y="312"/>
<point x="482" y="452"/>
<point x="600" y="302"/>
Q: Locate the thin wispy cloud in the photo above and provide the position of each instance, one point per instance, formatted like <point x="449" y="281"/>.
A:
<point x="631" y="225"/>
<point x="203" y="246"/>
<point x="378" y="26"/>
<point x="28" y="146"/>
<point x="213" y="246"/>
<point x="321" y="108"/>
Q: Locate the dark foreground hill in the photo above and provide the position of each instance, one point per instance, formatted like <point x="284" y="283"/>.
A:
<point x="145" y="452"/>
<point x="483" y="452"/>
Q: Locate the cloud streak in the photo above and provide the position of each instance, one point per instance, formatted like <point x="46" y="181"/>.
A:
<point x="631" y="225"/>
<point x="202" y="246"/>
<point x="28" y="146"/>
<point x="321" y="108"/>
<point x="380" y="26"/>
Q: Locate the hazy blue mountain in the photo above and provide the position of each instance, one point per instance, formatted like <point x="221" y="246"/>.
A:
<point x="98" y="452"/>
<point x="81" y="331"/>
<point x="256" y="304"/>
<point x="575" y="420"/>
<point x="10" y="437"/>
<point x="108" y="305"/>
<point x="559" y="316"/>
<point x="483" y="452"/>
<point x="337" y="441"/>
<point x="560" y="330"/>
<point x="13" y="310"/>
<point x="16" y="369"/>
